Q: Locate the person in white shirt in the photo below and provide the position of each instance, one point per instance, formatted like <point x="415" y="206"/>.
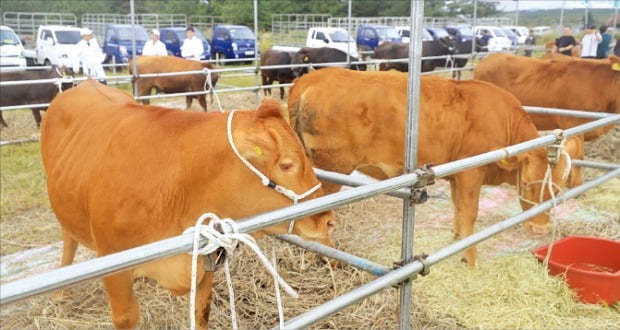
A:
<point x="589" y="43"/>
<point x="90" y="56"/>
<point x="154" y="47"/>
<point x="192" y="48"/>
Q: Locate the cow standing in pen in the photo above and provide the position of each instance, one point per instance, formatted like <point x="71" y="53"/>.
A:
<point x="458" y="119"/>
<point x="281" y="75"/>
<point x="308" y="55"/>
<point x="121" y="175"/>
<point x="33" y="93"/>
<point x="176" y="83"/>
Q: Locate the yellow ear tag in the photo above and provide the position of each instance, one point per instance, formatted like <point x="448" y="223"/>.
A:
<point x="615" y="66"/>
<point x="306" y="59"/>
<point x="258" y="150"/>
<point x="504" y="161"/>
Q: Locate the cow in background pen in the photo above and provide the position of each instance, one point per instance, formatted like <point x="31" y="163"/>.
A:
<point x="281" y="75"/>
<point x="33" y="93"/>
<point x="173" y="84"/>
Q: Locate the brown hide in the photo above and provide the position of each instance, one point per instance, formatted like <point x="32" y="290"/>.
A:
<point x="576" y="84"/>
<point x="457" y="119"/>
<point x="121" y="174"/>
<point x="173" y="84"/>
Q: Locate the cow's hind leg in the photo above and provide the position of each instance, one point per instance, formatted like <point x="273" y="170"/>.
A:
<point x="202" y="99"/>
<point x="69" y="247"/>
<point x="36" y="113"/>
<point x="188" y="101"/>
<point x="125" y="308"/>
<point x="465" y="188"/>
<point x="2" y="122"/>
<point x="281" y="93"/>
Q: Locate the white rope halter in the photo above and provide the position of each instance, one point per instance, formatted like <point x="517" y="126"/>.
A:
<point x="63" y="79"/>
<point x="209" y="82"/>
<point x="263" y="178"/>
<point x="228" y="238"/>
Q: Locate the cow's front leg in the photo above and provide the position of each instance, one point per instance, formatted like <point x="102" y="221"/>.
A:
<point x="203" y="301"/>
<point x="465" y="188"/>
<point x="125" y="308"/>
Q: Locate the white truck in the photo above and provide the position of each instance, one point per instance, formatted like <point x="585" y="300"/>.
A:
<point x="53" y="45"/>
<point x="318" y="37"/>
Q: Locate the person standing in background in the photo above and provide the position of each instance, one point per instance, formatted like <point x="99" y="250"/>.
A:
<point x="603" y="48"/>
<point x="565" y="43"/>
<point x="192" y="48"/>
<point x="89" y="56"/>
<point x="530" y="41"/>
<point x="154" y="47"/>
<point x="590" y="41"/>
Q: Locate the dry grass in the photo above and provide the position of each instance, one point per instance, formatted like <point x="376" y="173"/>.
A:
<point x="508" y="290"/>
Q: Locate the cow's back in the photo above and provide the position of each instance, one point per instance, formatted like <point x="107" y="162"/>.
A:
<point x="455" y="118"/>
<point x="28" y="94"/>
<point x="576" y="84"/>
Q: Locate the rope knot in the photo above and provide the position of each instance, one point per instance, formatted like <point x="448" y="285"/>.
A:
<point x="224" y="233"/>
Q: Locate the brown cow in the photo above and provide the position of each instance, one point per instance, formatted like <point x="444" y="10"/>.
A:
<point x="458" y="119"/>
<point x="111" y="190"/>
<point x="577" y="84"/>
<point x="173" y="84"/>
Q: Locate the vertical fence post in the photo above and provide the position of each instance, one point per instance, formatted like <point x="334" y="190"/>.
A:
<point x="411" y="152"/>
<point x="257" y="92"/>
<point x="133" y="46"/>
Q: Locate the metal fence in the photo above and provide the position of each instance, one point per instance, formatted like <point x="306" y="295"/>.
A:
<point x="26" y="24"/>
<point x="291" y="29"/>
<point x="98" y="22"/>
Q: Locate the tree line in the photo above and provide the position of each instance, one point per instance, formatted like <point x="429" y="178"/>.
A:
<point x="242" y="11"/>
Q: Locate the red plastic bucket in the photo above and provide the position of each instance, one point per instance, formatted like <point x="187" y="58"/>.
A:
<point x="590" y="265"/>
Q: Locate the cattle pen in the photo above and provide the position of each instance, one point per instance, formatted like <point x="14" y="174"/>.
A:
<point x="409" y="187"/>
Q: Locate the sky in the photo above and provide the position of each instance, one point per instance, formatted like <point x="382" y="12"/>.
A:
<point x="510" y="5"/>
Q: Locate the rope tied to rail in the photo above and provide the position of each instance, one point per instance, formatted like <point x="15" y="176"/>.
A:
<point x="295" y="197"/>
<point x="554" y="152"/>
<point x="211" y="89"/>
<point x="224" y="233"/>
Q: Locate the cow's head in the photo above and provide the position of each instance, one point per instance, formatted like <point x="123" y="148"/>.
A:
<point x="66" y="75"/>
<point x="449" y="44"/>
<point x="530" y="169"/>
<point x="301" y="57"/>
<point x="265" y="140"/>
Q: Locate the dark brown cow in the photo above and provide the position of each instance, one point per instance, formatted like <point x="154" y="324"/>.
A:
<point x="281" y="75"/>
<point x="173" y="84"/>
<point x="32" y="93"/>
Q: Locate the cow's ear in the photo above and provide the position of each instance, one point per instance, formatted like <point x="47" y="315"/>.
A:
<point x="269" y="108"/>
<point x="508" y="164"/>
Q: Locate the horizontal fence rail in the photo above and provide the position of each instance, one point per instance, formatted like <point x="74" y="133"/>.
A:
<point x="77" y="273"/>
<point x="397" y="276"/>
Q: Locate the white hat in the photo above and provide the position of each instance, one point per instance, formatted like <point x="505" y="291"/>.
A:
<point x="85" y="31"/>
<point x="155" y="32"/>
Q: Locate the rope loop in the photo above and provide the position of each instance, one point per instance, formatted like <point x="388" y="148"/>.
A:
<point x="211" y="89"/>
<point x="224" y="233"/>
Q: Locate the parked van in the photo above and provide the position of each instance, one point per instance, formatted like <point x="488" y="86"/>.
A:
<point x="232" y="42"/>
<point x="173" y="38"/>
<point x="404" y="33"/>
<point x="118" y="43"/>
<point x="371" y="36"/>
<point x="498" y="42"/>
<point x="11" y="49"/>
<point x="540" y="30"/>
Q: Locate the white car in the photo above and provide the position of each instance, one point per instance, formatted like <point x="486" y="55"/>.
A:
<point x="11" y="49"/>
<point x="404" y="33"/>
<point x="521" y="31"/>
<point x="498" y="41"/>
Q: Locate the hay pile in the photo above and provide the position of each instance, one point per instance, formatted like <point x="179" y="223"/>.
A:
<point x="508" y="290"/>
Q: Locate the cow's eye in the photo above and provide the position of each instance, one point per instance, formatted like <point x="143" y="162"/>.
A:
<point x="286" y="166"/>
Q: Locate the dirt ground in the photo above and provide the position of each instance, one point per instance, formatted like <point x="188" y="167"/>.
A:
<point x="370" y="229"/>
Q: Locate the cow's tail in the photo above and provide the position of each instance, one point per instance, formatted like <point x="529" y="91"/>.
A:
<point x="294" y="115"/>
